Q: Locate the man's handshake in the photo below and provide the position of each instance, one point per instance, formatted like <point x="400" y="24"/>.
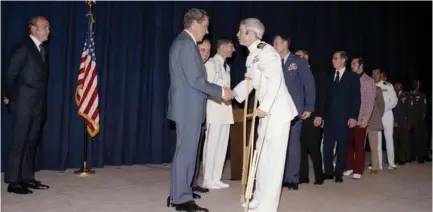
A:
<point x="228" y="94"/>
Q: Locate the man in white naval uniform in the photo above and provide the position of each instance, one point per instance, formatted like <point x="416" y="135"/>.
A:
<point x="391" y="100"/>
<point x="276" y="111"/>
<point x="219" y="116"/>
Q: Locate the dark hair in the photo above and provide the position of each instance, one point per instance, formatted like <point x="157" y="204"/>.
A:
<point x="284" y="38"/>
<point x="305" y="52"/>
<point x="360" y="60"/>
<point x="380" y="70"/>
<point x="223" y="41"/>
<point x="192" y="15"/>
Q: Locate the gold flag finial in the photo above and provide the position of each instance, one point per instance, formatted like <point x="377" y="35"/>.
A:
<point x="90" y="14"/>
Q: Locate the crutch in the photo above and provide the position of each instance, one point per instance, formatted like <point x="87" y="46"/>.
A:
<point x="248" y="150"/>
<point x="256" y="158"/>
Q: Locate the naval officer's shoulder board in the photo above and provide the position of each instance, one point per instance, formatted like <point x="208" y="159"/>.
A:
<point x="261" y="45"/>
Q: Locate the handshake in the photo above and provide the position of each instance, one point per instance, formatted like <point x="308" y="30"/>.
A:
<point x="228" y="94"/>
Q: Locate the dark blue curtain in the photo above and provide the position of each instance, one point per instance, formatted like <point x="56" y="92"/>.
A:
<point x="132" y="43"/>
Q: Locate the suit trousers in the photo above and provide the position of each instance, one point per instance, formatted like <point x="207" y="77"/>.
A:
<point x="184" y="160"/>
<point x="198" y="159"/>
<point x="374" y="137"/>
<point x="401" y="143"/>
<point x="27" y="130"/>
<point x="311" y="138"/>
<point x="419" y="149"/>
<point x="270" y="170"/>
<point x="388" y="128"/>
<point x="355" y="159"/>
<point x="335" y="133"/>
<point x="293" y="157"/>
<point x="214" y="151"/>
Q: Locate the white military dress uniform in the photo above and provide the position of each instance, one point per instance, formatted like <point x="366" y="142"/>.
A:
<point x="264" y="62"/>
<point x="219" y="116"/>
<point x="391" y="100"/>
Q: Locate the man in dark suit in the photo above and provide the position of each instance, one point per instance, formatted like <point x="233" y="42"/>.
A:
<point x="342" y="109"/>
<point x="186" y="105"/>
<point x="311" y="134"/>
<point x="300" y="83"/>
<point x="26" y="92"/>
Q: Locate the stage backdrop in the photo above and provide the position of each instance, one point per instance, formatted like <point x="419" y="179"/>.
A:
<point x="132" y="43"/>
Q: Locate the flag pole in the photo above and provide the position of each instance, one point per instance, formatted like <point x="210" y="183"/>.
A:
<point x="84" y="171"/>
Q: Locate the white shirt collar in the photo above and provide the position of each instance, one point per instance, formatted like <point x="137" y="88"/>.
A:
<point x="341" y="72"/>
<point x="219" y="58"/>
<point x="190" y="34"/>
<point x="36" y="41"/>
<point x="253" y="46"/>
<point x="286" y="57"/>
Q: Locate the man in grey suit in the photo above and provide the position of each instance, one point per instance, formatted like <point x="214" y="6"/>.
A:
<point x="186" y="105"/>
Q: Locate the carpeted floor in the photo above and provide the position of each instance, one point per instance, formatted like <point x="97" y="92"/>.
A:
<point x="145" y="189"/>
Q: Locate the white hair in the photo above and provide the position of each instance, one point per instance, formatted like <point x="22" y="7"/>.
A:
<point x="254" y="25"/>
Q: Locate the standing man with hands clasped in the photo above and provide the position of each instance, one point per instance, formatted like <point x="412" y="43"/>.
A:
<point x="300" y="84"/>
<point x="187" y="105"/>
<point x="219" y="117"/>
<point x="26" y="96"/>
<point x="355" y="161"/>
<point x="276" y="111"/>
<point x="342" y="110"/>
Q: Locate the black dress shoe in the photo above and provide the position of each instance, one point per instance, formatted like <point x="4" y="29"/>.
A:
<point x="200" y="189"/>
<point x="293" y="186"/>
<point x="339" y="179"/>
<point x="18" y="189"/>
<point x="189" y="207"/>
<point x="318" y="182"/>
<point x="304" y="180"/>
<point x="34" y="184"/>
<point x="196" y="196"/>
<point x="169" y="204"/>
<point x="328" y="177"/>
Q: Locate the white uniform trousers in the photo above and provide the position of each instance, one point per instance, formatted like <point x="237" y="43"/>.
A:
<point x="270" y="170"/>
<point x="388" y="129"/>
<point x="214" y="151"/>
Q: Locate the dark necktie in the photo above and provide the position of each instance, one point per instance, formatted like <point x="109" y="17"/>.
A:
<point x="42" y="52"/>
<point x="337" y="77"/>
<point x="225" y="66"/>
<point x="282" y="62"/>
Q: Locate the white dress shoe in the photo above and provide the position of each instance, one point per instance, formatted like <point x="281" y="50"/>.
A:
<point x="253" y="204"/>
<point x="348" y="172"/>
<point x="211" y="185"/>
<point x="392" y="167"/>
<point x="222" y="185"/>
<point x="356" y="176"/>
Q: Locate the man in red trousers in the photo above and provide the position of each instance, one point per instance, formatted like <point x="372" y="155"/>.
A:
<point x="355" y="160"/>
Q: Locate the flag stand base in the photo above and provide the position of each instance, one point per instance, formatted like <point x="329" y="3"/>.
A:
<point x="84" y="172"/>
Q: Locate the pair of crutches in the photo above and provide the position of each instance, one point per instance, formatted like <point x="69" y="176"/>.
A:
<point x="250" y="156"/>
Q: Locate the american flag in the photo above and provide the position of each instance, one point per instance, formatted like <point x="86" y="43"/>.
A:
<point x="86" y="95"/>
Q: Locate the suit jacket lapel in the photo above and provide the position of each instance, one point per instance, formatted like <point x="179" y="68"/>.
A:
<point x="344" y="75"/>
<point x="35" y="52"/>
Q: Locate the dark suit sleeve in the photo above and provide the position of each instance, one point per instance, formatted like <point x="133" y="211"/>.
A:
<point x="320" y="83"/>
<point x="308" y="84"/>
<point x="355" y="97"/>
<point x="16" y="62"/>
<point x="194" y="71"/>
